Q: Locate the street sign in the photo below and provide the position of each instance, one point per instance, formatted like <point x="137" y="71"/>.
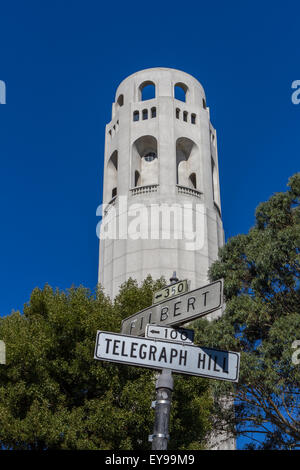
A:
<point x="178" y="310"/>
<point x="170" y="291"/>
<point x="179" y="335"/>
<point x="155" y="354"/>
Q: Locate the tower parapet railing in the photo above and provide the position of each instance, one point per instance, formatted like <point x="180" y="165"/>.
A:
<point x="187" y="190"/>
<point x="149" y="188"/>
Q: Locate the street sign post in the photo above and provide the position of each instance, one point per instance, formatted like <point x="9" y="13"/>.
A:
<point x="169" y="349"/>
<point x="179" y="335"/>
<point x="155" y="354"/>
<point x="2" y="352"/>
<point x="178" y="310"/>
<point x="168" y="292"/>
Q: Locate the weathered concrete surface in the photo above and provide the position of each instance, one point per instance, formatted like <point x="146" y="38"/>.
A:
<point x="183" y="148"/>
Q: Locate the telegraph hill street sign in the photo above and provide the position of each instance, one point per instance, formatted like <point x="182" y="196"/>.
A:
<point x="178" y="310"/>
<point x="155" y="354"/>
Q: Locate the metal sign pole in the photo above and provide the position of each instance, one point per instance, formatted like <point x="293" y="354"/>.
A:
<point x="2" y="352"/>
<point x="162" y="405"/>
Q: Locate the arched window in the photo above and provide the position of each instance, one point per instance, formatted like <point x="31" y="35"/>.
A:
<point x="193" y="118"/>
<point x="120" y="100"/>
<point x="145" y="114"/>
<point x="177" y="113"/>
<point x="180" y="91"/>
<point x="187" y="162"/>
<point x="136" y="115"/>
<point x="192" y="180"/>
<point x="146" y="91"/>
<point x="153" y="112"/>
<point x="112" y="176"/>
<point x="185" y="115"/>
<point x="215" y="186"/>
<point x="204" y="103"/>
<point x="145" y="161"/>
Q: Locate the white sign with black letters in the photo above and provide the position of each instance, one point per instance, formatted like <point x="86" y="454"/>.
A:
<point x="179" y="335"/>
<point x="168" y="292"/>
<point x="178" y="310"/>
<point x="155" y="354"/>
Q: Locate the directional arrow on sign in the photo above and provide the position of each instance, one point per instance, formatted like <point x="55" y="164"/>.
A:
<point x="172" y="290"/>
<point x="179" y="335"/>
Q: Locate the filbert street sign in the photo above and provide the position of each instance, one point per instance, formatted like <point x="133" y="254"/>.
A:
<point x="178" y="288"/>
<point x="178" y="310"/>
<point x="155" y="354"/>
<point x="179" y="335"/>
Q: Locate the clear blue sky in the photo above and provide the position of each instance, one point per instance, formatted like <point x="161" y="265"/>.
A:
<point x="62" y="61"/>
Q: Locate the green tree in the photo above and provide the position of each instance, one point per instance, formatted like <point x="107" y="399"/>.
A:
<point x="262" y="320"/>
<point x="54" y="395"/>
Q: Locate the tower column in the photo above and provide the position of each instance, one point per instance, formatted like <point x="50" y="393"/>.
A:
<point x="161" y="149"/>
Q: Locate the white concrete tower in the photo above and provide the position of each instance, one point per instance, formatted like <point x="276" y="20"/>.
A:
<point x="160" y="150"/>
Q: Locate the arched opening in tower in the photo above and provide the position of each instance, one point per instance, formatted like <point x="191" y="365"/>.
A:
<point x="112" y="176"/>
<point x="187" y="163"/>
<point x="146" y="91"/>
<point x="144" y="161"/>
<point x="193" y="180"/>
<point x="120" y="100"/>
<point x="181" y="92"/>
<point x="215" y="185"/>
<point x="137" y="178"/>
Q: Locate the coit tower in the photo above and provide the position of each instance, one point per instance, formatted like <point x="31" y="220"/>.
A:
<point x="161" y="195"/>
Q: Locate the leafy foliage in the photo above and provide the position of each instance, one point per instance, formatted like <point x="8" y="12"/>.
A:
<point x="54" y="395"/>
<point x="261" y="272"/>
